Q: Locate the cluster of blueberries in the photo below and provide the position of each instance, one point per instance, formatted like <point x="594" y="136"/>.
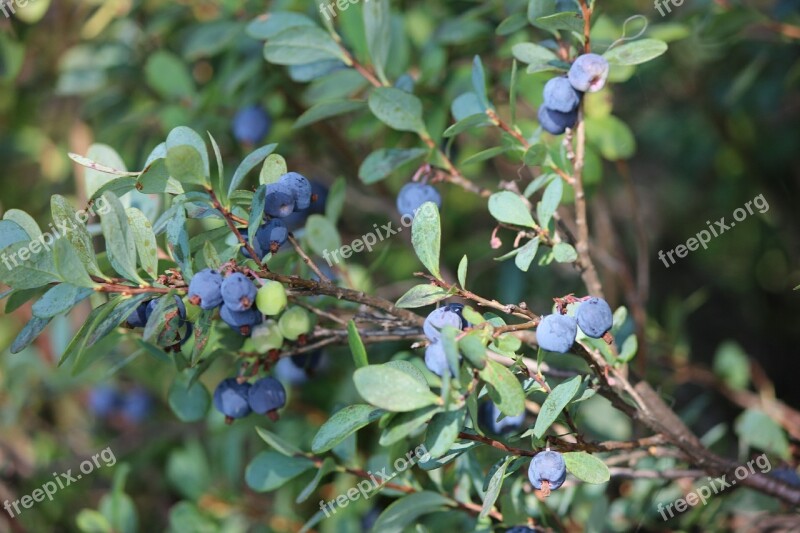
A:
<point x="235" y="295"/>
<point x="562" y="95"/>
<point x="132" y="405"/>
<point x="413" y="195"/>
<point x="139" y="318"/>
<point x="237" y="400"/>
<point x="251" y="124"/>
<point x="447" y="315"/>
<point x="557" y="332"/>
<point x="292" y="192"/>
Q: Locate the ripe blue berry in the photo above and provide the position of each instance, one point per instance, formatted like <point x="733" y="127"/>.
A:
<point x="556" y="122"/>
<point x="448" y="315"/>
<point x="787" y="475"/>
<point x="436" y="359"/>
<point x="103" y="401"/>
<point x="556" y="333"/>
<point x="594" y="317"/>
<point x="251" y="124"/>
<point x="238" y="292"/>
<point x="136" y="405"/>
<point x="230" y="398"/>
<point x="488" y="413"/>
<point x="266" y="395"/>
<point x="272" y="235"/>
<point x="317" y="207"/>
<point x="241" y="321"/>
<point x="560" y="95"/>
<point x="521" y="529"/>
<point x="588" y="73"/>
<point x="301" y="189"/>
<point x="413" y="195"/>
<point x="138" y="319"/>
<point x="279" y="201"/>
<point x="204" y="289"/>
<point x="547" y="466"/>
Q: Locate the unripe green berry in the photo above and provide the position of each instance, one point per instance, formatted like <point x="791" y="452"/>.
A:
<point x="266" y="336"/>
<point x="294" y="322"/>
<point x="271" y="298"/>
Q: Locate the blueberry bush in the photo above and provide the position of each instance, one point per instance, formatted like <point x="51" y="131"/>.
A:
<point x="323" y="264"/>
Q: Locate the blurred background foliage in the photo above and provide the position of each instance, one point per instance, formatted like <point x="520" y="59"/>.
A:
<point x="715" y="124"/>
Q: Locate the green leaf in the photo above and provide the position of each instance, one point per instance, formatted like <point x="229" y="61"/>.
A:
<point x="532" y="53"/>
<point x="249" y="163"/>
<point x="381" y="163"/>
<point x="185" y="164"/>
<point x="473" y="349"/>
<point x="587" y="468"/>
<point x="421" y="295"/>
<point x="335" y="202"/>
<point x="479" y="82"/>
<point x="392" y="389"/>
<point x="64" y="214"/>
<point x="410" y="369"/>
<point x="321" y="235"/>
<point x="462" y="271"/>
<point x="12" y="233"/>
<point x="29" y="333"/>
<point x="635" y="52"/>
<point x="426" y="233"/>
<point x="59" y="299"/>
<point x="256" y="213"/>
<point x="403" y="424"/>
<point x="509" y="208"/>
<point x="37" y="270"/>
<point x="301" y="45"/>
<point x="549" y="202"/>
<point x="277" y="442"/>
<point x="555" y="402"/>
<point x="101" y="158"/>
<point x="120" y="246"/>
<point x="168" y="75"/>
<point x="467" y="123"/>
<point x="328" y="466"/>
<point x="535" y="155"/>
<point x="145" y="240"/>
<point x="327" y="109"/>
<point x="342" y="424"/>
<point x="397" y="109"/>
<point x="356" y="345"/>
<point x="504" y="388"/>
<point x="564" y="253"/>
<point x="612" y="137"/>
<point x="483" y="155"/>
<point x="271" y="470"/>
<point x="273" y="168"/>
<point x="443" y="431"/>
<point x="189" y="401"/>
<point x="378" y="29"/>
<point x="271" y="24"/>
<point x="493" y="487"/>
<point x="629" y="349"/>
<point x="408" y="509"/>
<point x="527" y="254"/>
<point x="730" y="364"/>
<point x="540" y="8"/>
<point x="756" y="429"/>
<point x="566" y="20"/>
<point x="91" y="521"/>
<point x="178" y="242"/>
<point x="69" y="266"/>
<point x="25" y="221"/>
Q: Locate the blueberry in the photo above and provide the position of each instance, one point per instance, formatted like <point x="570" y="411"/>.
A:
<point x="436" y="359"/>
<point x="520" y="529"/>
<point x="787" y="475"/>
<point x="301" y="189"/>
<point x="547" y="466"/>
<point x="241" y="321"/>
<point x="251" y="124"/>
<point x="588" y="73"/>
<point x="272" y="235"/>
<point x="138" y="319"/>
<point x="556" y="122"/>
<point x="594" y="317"/>
<point x="266" y="394"/>
<point x="413" y="195"/>
<point x="307" y="361"/>
<point x="286" y="371"/>
<point x="298" y="218"/>
<point x="152" y="304"/>
<point x="230" y="398"/>
<point x="559" y="95"/>
<point x="256" y="247"/>
<point x="556" y="333"/>
<point x="238" y="292"/>
<point x="136" y="405"/>
<point x="488" y="413"/>
<point x="279" y="201"/>
<point x="204" y="289"/>
<point x="448" y="315"/>
<point x="103" y="400"/>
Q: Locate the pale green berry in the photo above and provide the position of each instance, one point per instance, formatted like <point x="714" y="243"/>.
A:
<point x="266" y="336"/>
<point x="294" y="322"/>
<point x="271" y="298"/>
